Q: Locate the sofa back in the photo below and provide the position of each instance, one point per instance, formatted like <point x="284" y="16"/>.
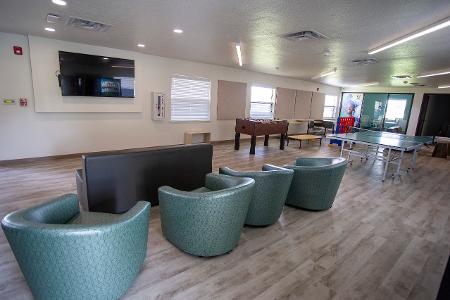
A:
<point x="114" y="181"/>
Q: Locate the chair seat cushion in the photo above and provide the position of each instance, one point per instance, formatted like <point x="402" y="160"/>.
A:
<point x="92" y="218"/>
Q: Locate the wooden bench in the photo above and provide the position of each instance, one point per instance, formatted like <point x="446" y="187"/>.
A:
<point x="188" y="136"/>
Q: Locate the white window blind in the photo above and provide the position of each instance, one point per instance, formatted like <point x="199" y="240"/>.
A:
<point x="262" y="102"/>
<point x="190" y="99"/>
<point x="329" y="110"/>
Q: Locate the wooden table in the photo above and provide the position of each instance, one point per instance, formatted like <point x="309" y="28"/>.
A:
<point x="305" y="137"/>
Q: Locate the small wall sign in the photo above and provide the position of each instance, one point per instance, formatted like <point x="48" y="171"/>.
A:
<point x="159" y="109"/>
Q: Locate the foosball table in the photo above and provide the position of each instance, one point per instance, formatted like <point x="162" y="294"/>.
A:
<point x="256" y="128"/>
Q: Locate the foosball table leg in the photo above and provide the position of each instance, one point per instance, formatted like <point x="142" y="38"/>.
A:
<point x="237" y="138"/>
<point x="282" y="138"/>
<point x="252" y="144"/>
<point x="266" y="140"/>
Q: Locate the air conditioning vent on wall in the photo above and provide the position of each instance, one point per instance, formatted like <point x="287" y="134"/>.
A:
<point x="87" y="24"/>
<point x="305" y="35"/>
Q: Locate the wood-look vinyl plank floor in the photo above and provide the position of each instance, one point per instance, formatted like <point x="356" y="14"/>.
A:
<point x="380" y="240"/>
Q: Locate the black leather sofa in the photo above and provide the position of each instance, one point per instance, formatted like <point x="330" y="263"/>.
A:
<point x="114" y="181"/>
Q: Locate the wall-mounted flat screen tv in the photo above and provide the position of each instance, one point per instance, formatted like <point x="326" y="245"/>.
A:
<point x="95" y="76"/>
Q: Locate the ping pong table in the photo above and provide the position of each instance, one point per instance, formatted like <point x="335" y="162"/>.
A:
<point x="371" y="142"/>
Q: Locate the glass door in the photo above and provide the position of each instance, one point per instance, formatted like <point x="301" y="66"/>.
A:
<point x="397" y="112"/>
<point x="373" y="111"/>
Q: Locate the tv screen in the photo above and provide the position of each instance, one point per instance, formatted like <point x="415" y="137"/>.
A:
<point x="97" y="76"/>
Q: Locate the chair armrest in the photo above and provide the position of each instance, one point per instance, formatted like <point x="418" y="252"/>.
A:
<point x="217" y="182"/>
<point x="81" y="189"/>
<point x="269" y="167"/>
<point x="231" y="172"/>
<point x="58" y="211"/>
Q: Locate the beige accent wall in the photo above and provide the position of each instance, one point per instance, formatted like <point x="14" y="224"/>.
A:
<point x="231" y="99"/>
<point x="285" y="105"/>
<point x="302" y="104"/>
<point x="317" y="105"/>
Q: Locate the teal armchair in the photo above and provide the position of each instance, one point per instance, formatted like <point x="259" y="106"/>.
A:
<point x="271" y="189"/>
<point x="207" y="221"/>
<point x="65" y="254"/>
<point x="316" y="182"/>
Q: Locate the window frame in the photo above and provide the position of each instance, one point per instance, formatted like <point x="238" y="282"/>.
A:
<point x="196" y="78"/>
<point x="272" y="102"/>
<point x="334" y="107"/>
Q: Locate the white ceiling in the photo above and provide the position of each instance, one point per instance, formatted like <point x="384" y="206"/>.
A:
<point x="212" y="26"/>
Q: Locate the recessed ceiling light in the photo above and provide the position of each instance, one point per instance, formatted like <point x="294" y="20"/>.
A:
<point x="59" y="2"/>
<point x="177" y="30"/>
<point x="52" y="18"/>
<point x="140" y="45"/>
<point x="432" y="28"/>
<point x="435" y="74"/>
<point x="239" y="53"/>
<point x="325" y="74"/>
<point x="447" y="86"/>
<point x="50" y="29"/>
<point x="105" y="58"/>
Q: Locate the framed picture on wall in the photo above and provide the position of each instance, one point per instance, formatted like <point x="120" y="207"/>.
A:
<point x="351" y="106"/>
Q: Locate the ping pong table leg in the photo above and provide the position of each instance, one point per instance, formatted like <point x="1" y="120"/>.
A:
<point x="414" y="159"/>
<point x="342" y="147"/>
<point x="387" y="160"/>
<point x="400" y="159"/>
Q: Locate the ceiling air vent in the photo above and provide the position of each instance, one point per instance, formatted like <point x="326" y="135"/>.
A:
<point x="364" y="61"/>
<point x="53" y="18"/>
<point x="305" y="35"/>
<point x="417" y="84"/>
<point x="87" y="24"/>
<point x="401" y="76"/>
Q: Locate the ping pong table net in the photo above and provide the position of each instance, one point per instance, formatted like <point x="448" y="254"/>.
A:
<point x="345" y="124"/>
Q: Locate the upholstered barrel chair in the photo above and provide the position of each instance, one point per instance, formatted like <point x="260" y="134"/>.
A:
<point x="207" y="221"/>
<point x="316" y="182"/>
<point x="65" y="254"/>
<point x="271" y="188"/>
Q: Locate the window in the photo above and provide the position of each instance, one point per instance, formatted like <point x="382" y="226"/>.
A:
<point x="262" y="102"/>
<point x="395" y="109"/>
<point x="329" y="110"/>
<point x="190" y="99"/>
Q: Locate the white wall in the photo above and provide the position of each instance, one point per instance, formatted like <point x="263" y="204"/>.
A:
<point x="26" y="133"/>
<point x="417" y="101"/>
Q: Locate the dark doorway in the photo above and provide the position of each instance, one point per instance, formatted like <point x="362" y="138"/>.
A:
<point x="434" y="117"/>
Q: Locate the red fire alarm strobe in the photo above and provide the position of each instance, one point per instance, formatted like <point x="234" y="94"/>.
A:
<point x="18" y="50"/>
<point x="23" y="102"/>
